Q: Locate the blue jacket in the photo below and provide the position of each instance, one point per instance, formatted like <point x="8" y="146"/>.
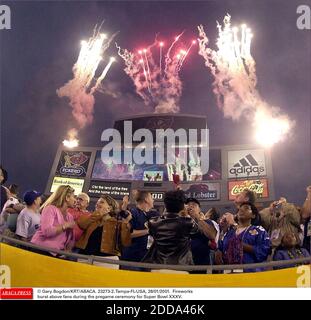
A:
<point x="256" y="236"/>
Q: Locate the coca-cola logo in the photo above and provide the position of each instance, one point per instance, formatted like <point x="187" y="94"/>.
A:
<point x="257" y="187"/>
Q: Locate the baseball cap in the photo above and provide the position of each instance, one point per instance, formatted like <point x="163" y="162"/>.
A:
<point x="30" y="196"/>
<point x="193" y="200"/>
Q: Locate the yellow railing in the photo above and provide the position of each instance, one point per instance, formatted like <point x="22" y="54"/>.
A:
<point x="29" y="269"/>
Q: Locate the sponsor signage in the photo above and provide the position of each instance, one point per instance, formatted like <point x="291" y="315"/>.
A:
<point x="202" y="191"/>
<point x="75" y="183"/>
<point x="115" y="189"/>
<point x="73" y="164"/>
<point x="157" y="196"/>
<point x="246" y="163"/>
<point x="259" y="186"/>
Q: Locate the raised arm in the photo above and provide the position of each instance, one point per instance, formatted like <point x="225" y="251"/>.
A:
<point x="306" y="208"/>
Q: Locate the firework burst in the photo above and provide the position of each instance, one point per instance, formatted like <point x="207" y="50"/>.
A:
<point x="155" y="73"/>
<point x="80" y="90"/>
<point x="235" y="81"/>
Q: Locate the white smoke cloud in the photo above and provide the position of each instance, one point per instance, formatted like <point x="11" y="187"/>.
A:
<point x="235" y="81"/>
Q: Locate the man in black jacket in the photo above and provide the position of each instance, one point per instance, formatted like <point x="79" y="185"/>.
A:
<point x="171" y="233"/>
<point x="3" y="194"/>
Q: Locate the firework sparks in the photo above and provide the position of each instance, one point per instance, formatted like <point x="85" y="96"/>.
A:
<point x="185" y="53"/>
<point x="80" y="90"/>
<point x="161" y="44"/>
<point x="235" y="81"/>
<point x="158" y="84"/>
<point x="72" y="140"/>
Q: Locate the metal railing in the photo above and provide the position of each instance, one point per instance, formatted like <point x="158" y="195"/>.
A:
<point x="90" y="259"/>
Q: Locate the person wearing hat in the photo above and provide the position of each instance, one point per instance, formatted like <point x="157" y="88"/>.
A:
<point x="200" y="241"/>
<point x="28" y="220"/>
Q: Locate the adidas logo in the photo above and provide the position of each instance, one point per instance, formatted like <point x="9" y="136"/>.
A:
<point x="247" y="165"/>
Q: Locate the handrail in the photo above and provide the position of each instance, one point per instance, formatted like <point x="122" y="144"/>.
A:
<point x="90" y="259"/>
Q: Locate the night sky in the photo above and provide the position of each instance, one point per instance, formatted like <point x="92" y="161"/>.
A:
<point x="38" y="53"/>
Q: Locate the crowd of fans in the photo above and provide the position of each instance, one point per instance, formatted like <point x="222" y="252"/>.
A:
<point x="181" y="235"/>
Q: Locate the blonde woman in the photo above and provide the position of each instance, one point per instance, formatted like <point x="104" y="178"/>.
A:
<point x="56" y="229"/>
<point x="104" y="234"/>
<point x="279" y="218"/>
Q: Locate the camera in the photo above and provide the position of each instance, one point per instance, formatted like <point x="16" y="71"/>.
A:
<point x="276" y="209"/>
<point x="123" y="214"/>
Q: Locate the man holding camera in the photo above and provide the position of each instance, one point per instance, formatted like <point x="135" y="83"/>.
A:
<point x="279" y="218"/>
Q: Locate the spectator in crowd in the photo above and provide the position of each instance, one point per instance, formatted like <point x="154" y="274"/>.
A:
<point x="171" y="233"/>
<point x="224" y="227"/>
<point x="245" y="196"/>
<point x="28" y="220"/>
<point x="226" y="221"/>
<point x="141" y="213"/>
<point x="279" y="218"/>
<point x="80" y="209"/>
<point x="244" y="243"/>
<point x="104" y="234"/>
<point x="289" y="249"/>
<point x="13" y="191"/>
<point x="306" y="214"/>
<point x="4" y="191"/>
<point x="250" y="196"/>
<point x="214" y="216"/>
<point x="201" y="240"/>
<point x="56" y="228"/>
<point x="10" y="211"/>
